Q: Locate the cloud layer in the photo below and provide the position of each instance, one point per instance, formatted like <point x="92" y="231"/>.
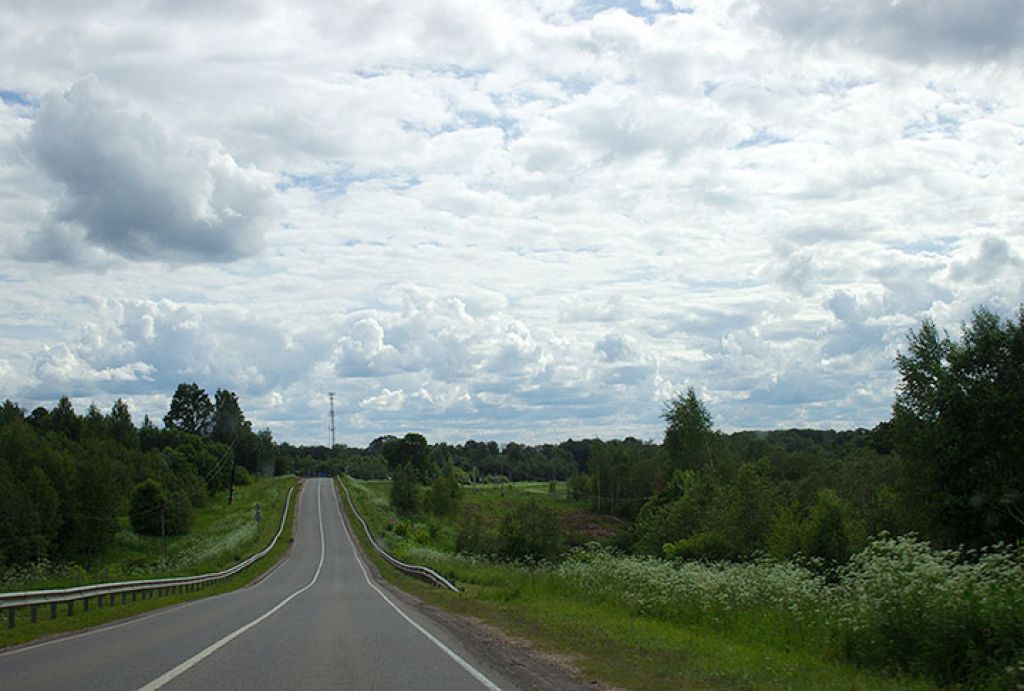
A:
<point x="519" y="221"/>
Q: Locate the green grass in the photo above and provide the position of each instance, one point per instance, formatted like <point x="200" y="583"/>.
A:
<point x="220" y="537"/>
<point x="606" y="640"/>
<point x="493" y="501"/>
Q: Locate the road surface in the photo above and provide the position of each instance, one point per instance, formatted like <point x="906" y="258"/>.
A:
<point x="318" y="621"/>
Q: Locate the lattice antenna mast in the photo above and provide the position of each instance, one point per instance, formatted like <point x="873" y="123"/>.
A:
<point x="331" y="395"/>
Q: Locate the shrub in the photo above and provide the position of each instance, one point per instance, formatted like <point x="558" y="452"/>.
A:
<point x="475" y="534"/>
<point x="530" y="531"/>
<point x="150" y="505"/>
<point x="444" y="496"/>
<point x="405" y="492"/>
<point x="242" y="477"/>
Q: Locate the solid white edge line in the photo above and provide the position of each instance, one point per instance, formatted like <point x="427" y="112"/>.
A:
<point x="476" y="674"/>
<point x="214" y="647"/>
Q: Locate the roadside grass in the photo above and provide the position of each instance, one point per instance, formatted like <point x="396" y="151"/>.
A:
<point x="605" y="640"/>
<point x="194" y="553"/>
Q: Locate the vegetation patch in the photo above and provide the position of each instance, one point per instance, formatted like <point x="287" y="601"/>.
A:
<point x="647" y="623"/>
<point x="221" y="537"/>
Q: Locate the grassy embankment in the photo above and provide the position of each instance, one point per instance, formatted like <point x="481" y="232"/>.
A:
<point x="899" y="609"/>
<point x="220" y="536"/>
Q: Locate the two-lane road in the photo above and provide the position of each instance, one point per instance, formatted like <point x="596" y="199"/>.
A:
<point x="317" y="621"/>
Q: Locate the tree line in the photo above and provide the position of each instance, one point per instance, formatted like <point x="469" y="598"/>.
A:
<point x="66" y="479"/>
<point x="946" y="466"/>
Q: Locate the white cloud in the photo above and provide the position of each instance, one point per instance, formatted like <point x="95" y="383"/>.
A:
<point x="134" y="189"/>
<point x="543" y="228"/>
<point x="385" y="400"/>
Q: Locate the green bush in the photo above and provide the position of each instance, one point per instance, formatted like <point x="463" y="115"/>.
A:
<point x="476" y="535"/>
<point x="151" y="505"/>
<point x="530" y="531"/>
<point x="444" y="496"/>
<point x="242" y="477"/>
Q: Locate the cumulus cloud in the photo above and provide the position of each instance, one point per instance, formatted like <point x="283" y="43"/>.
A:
<point x="133" y="188"/>
<point x="614" y="347"/>
<point x="995" y="258"/>
<point x="385" y="400"/>
<point x="542" y="229"/>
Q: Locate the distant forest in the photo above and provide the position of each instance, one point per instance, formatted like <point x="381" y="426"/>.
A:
<point x="947" y="466"/>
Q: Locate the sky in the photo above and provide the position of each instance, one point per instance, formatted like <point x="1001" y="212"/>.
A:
<point x="517" y="221"/>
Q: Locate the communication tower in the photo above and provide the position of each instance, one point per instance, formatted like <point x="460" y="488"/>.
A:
<point x="331" y="395"/>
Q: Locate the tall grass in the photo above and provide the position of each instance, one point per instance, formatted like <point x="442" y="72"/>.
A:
<point x="954" y="617"/>
<point x="899" y="605"/>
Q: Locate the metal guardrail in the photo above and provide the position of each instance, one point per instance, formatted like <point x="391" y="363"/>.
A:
<point x="147" y="588"/>
<point x="423" y="572"/>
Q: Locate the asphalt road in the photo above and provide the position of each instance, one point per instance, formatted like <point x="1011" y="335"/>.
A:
<point x="318" y="621"/>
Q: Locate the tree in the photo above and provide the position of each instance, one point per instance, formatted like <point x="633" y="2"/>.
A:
<point x="444" y="497"/>
<point x="153" y="510"/>
<point x="688" y="434"/>
<point x="411" y="450"/>
<point x="825" y="532"/>
<point x="228" y="420"/>
<point x="148" y="502"/>
<point x="91" y="522"/>
<point x="190" y="411"/>
<point x="64" y="420"/>
<point x="9" y="412"/>
<point x="957" y="427"/>
<point x="120" y="425"/>
<point x="405" y="491"/>
<point x="94" y="424"/>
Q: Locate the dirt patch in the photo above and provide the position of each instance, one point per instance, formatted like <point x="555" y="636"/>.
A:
<point x="585" y="526"/>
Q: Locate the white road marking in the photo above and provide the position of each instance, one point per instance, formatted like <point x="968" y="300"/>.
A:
<point x="210" y="650"/>
<point x="103" y="628"/>
<point x="477" y="674"/>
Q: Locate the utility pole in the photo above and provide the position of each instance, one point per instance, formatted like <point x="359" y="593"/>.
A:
<point x="163" y="530"/>
<point x="331" y="396"/>
<point x="231" y="482"/>
<point x="234" y="461"/>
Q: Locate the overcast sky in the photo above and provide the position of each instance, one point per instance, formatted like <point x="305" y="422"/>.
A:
<point x="513" y="221"/>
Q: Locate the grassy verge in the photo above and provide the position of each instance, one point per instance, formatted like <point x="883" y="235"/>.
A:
<point x="215" y="522"/>
<point x="608" y="642"/>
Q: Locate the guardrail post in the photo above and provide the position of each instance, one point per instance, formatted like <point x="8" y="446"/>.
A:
<point x="71" y="607"/>
<point x="85" y="604"/>
<point x="124" y="598"/>
<point x="33" y="617"/>
<point x="53" y="610"/>
<point x="112" y="599"/>
<point x="10" y="617"/>
<point x="99" y="602"/>
<point x="134" y="594"/>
